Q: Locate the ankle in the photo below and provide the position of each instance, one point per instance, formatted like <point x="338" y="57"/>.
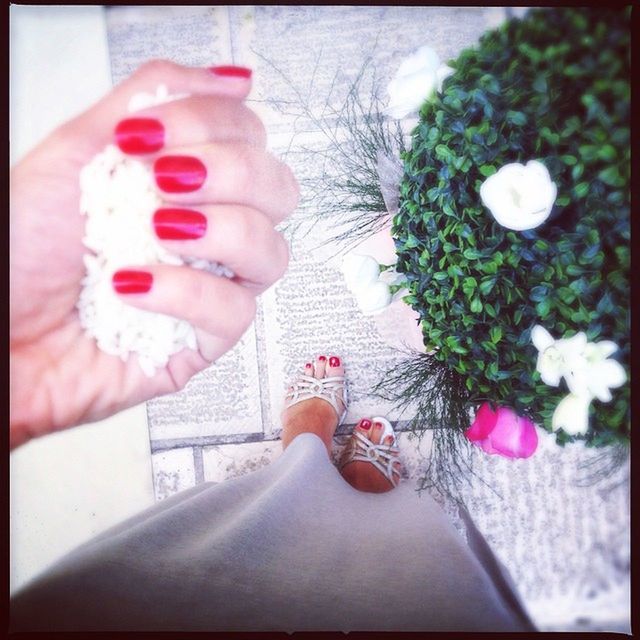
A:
<point x="310" y="422"/>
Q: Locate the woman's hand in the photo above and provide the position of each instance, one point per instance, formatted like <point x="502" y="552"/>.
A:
<point x="59" y="377"/>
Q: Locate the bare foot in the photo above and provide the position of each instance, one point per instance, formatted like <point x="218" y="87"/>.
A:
<point x="314" y="415"/>
<point x="364" y="476"/>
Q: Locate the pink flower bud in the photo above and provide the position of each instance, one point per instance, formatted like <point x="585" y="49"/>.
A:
<point x="503" y="432"/>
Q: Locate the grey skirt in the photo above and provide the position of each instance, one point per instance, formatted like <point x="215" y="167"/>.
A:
<point x="291" y="547"/>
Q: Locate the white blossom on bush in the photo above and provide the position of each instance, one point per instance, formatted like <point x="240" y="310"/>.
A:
<point x="519" y="196"/>
<point x="587" y="370"/>
<point x="374" y="298"/>
<point x="572" y="415"/>
<point x="363" y="278"/>
<point x="417" y="78"/>
<point x="359" y="271"/>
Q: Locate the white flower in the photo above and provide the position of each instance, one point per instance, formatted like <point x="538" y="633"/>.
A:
<point x="557" y="358"/>
<point x="370" y="288"/>
<point x="601" y="373"/>
<point x="418" y="77"/>
<point x="572" y="414"/>
<point x="519" y="197"/>
<point x="359" y="271"/>
<point x="586" y="367"/>
<point x="374" y="298"/>
<point x="587" y="370"/>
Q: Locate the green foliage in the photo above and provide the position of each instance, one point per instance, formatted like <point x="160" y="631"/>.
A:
<point x="552" y="87"/>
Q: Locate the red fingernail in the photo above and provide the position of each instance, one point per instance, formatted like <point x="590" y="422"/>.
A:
<point x="130" y="281"/>
<point x="138" y="136"/>
<point x="322" y="358"/>
<point x="365" y="424"/>
<point x="179" y="174"/>
<point x="334" y="361"/>
<point x="230" y="71"/>
<point x="179" y="224"/>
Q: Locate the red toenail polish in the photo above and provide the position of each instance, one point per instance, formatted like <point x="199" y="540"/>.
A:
<point x="138" y="136"/>
<point x="308" y="365"/>
<point x="334" y="361"/>
<point x="322" y="358"/>
<point x="365" y="424"/>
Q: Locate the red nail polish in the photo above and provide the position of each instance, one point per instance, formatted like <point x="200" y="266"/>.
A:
<point x="137" y="136"/>
<point x="179" y="224"/>
<point x="365" y="424"/>
<point x="334" y="361"/>
<point x="231" y="71"/>
<point x="179" y="174"/>
<point x="130" y="281"/>
<point x="308" y="365"/>
<point x="322" y="358"/>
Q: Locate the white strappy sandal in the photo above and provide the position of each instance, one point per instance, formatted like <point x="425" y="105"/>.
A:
<point x="332" y="389"/>
<point x="360" y="448"/>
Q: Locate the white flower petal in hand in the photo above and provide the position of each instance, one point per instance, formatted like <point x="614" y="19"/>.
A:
<point x="373" y="298"/>
<point x="519" y="196"/>
<point x="572" y="415"/>
<point x="359" y="271"/>
<point x="418" y="76"/>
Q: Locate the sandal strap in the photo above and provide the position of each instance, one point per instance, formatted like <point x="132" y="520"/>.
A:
<point x="360" y="448"/>
<point x="331" y="389"/>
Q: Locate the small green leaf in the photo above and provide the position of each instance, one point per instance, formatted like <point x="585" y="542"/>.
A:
<point x="516" y="117"/>
<point x="471" y="254"/>
<point x="487" y="285"/>
<point x="607" y="153"/>
<point x="581" y="189"/>
<point x="543" y="308"/>
<point x="495" y="334"/>
<point x="612" y="177"/>
<point x="476" y="305"/>
<point x="487" y="170"/>
<point x="569" y="160"/>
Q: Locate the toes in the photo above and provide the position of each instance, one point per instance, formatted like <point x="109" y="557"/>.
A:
<point x="334" y="367"/>
<point x="308" y="369"/>
<point x="364" y="425"/>
<point x="388" y="440"/>
<point x="376" y="432"/>
<point x="321" y="362"/>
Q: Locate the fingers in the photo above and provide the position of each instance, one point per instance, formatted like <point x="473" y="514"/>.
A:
<point x="225" y="173"/>
<point x="189" y="121"/>
<point x="94" y="128"/>
<point x="241" y="238"/>
<point x="211" y="303"/>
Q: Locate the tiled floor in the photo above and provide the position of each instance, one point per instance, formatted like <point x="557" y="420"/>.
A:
<point x="580" y="536"/>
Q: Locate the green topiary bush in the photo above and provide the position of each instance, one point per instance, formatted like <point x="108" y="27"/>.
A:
<point x="552" y="87"/>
